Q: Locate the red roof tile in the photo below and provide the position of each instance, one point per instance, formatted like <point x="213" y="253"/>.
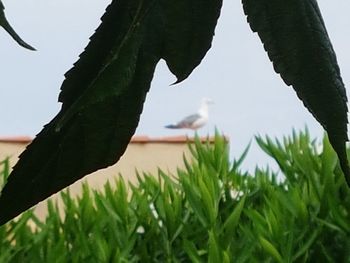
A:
<point x="16" y="139"/>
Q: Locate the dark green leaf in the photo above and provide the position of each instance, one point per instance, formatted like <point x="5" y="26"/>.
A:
<point x="5" y="24"/>
<point x="296" y="40"/>
<point x="103" y="94"/>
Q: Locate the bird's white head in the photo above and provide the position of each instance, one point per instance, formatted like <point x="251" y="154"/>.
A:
<point x="207" y="101"/>
<point x="203" y="110"/>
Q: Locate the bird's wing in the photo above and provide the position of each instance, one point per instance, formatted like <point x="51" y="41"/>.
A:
<point x="189" y="120"/>
<point x="103" y="94"/>
<point x="296" y="40"/>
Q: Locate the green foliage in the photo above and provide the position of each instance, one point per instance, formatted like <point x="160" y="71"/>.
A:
<point x="210" y="212"/>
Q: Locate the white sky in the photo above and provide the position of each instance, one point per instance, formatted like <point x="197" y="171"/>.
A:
<point x="249" y="97"/>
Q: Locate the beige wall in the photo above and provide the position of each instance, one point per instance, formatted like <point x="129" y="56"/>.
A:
<point x="143" y="154"/>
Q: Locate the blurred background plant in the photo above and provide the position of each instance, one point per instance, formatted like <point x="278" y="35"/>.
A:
<point x="212" y="211"/>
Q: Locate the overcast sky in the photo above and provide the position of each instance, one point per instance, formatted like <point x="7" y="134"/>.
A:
<point x="249" y="97"/>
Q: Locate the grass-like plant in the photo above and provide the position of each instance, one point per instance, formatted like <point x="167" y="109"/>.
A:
<point x="210" y="211"/>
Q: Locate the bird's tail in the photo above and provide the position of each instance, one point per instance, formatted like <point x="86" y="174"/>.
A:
<point x="172" y="126"/>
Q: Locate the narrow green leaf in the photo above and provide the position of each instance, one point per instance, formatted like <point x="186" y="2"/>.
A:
<point x="232" y="221"/>
<point x="307" y="245"/>
<point x="270" y="249"/>
<point x="214" y="251"/>
<point x="191" y="251"/>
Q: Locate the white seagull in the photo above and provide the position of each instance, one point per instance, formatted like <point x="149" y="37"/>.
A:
<point x="194" y="121"/>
